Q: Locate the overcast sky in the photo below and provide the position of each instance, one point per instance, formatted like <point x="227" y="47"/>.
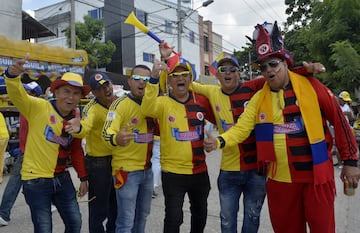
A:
<point x="233" y="19"/>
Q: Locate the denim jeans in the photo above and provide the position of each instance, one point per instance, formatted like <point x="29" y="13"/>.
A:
<point x="101" y="186"/>
<point x="134" y="202"/>
<point x="175" y="186"/>
<point x="231" y="185"/>
<point x="12" y="189"/>
<point x="40" y="193"/>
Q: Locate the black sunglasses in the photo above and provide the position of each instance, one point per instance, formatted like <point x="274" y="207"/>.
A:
<point x="272" y="64"/>
<point x="224" y="69"/>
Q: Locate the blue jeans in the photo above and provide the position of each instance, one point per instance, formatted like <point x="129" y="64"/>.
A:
<point x="175" y="186"/>
<point x="101" y="185"/>
<point x="12" y="189"/>
<point x="231" y="185"/>
<point x="40" y="193"/>
<point x="134" y="202"/>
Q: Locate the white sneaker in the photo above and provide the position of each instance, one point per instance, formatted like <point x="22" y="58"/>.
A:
<point x="3" y="222"/>
<point x="53" y="208"/>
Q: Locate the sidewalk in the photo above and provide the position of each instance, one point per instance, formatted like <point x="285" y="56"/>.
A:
<point x="347" y="209"/>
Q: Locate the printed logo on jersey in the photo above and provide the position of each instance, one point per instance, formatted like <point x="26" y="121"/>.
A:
<point x="262" y="117"/>
<point x="134" y="121"/>
<point x="111" y="116"/>
<point x="52" y="137"/>
<point x="171" y="118"/>
<point x="143" y="138"/>
<point x="52" y="119"/>
<point x="217" y="108"/>
<point x="297" y="126"/>
<point x="188" y="135"/>
<point x="225" y="126"/>
<point x="200" y="116"/>
<point x="246" y="103"/>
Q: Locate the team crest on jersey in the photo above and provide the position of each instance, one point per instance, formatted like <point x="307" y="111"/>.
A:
<point x="52" y="119"/>
<point x="217" y="108"/>
<point x="200" y="116"/>
<point x="134" y="120"/>
<point x="171" y="118"/>
<point x="246" y="103"/>
<point x="111" y="115"/>
<point x="262" y="117"/>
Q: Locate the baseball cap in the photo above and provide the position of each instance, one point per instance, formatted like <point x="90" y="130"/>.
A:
<point x="34" y="87"/>
<point x="98" y="79"/>
<point x="232" y="60"/>
<point x="344" y="95"/>
<point x="71" y="79"/>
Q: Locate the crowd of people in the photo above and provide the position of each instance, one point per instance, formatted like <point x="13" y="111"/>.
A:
<point x="158" y="129"/>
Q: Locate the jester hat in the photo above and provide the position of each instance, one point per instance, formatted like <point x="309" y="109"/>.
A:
<point x="268" y="42"/>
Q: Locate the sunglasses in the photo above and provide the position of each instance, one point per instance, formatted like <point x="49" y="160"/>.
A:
<point x="272" y="64"/>
<point x="139" y="77"/>
<point x="224" y="69"/>
<point x="183" y="74"/>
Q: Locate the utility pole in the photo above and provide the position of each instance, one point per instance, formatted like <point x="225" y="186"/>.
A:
<point x="179" y="28"/>
<point x="72" y="24"/>
<point x="250" y="69"/>
<point x="181" y="16"/>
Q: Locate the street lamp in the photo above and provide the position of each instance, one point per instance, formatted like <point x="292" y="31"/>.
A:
<point x="181" y="19"/>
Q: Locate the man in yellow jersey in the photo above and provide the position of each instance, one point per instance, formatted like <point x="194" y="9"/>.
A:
<point x="48" y="148"/>
<point x="102" y="199"/>
<point x="4" y="138"/>
<point x="289" y="115"/>
<point x="131" y="135"/>
<point x="181" y="115"/>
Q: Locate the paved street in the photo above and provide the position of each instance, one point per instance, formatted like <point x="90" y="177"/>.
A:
<point x="347" y="210"/>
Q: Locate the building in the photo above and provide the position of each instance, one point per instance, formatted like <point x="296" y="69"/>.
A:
<point x="199" y="44"/>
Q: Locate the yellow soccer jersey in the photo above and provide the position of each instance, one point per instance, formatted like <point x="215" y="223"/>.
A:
<point x="137" y="155"/>
<point x="181" y="130"/>
<point x="44" y="136"/>
<point x="92" y="123"/>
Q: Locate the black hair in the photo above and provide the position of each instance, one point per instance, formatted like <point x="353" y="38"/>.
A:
<point x="139" y="66"/>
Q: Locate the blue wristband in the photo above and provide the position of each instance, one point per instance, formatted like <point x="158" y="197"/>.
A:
<point x="154" y="80"/>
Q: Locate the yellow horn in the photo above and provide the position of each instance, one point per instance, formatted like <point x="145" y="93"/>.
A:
<point x="131" y="19"/>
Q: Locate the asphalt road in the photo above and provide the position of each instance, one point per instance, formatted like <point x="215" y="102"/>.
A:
<point x="347" y="210"/>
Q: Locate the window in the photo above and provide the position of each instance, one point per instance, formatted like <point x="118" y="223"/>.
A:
<point x="206" y="44"/>
<point x="168" y="26"/>
<point x="141" y="16"/>
<point x="192" y="37"/>
<point x="149" y="57"/>
<point x="96" y="13"/>
<point x="207" y="71"/>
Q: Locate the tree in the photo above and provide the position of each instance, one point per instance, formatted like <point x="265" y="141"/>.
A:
<point x="89" y="37"/>
<point x="295" y="39"/>
<point x="333" y="38"/>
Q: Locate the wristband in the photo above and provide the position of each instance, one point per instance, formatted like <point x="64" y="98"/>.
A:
<point x="222" y="141"/>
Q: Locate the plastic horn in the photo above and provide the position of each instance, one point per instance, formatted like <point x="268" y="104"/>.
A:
<point x="131" y="19"/>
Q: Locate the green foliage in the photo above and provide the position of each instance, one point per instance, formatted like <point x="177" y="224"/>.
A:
<point x="327" y="31"/>
<point x="299" y="12"/>
<point x="89" y="37"/>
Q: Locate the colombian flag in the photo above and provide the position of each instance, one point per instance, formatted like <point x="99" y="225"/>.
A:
<point x="213" y="67"/>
